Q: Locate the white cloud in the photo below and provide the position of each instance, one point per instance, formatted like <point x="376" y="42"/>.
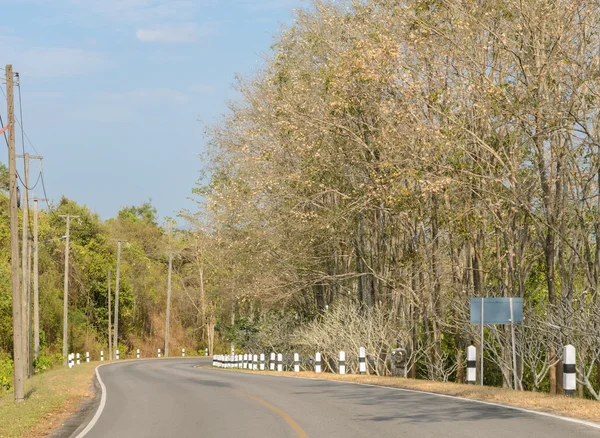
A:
<point x="185" y="33"/>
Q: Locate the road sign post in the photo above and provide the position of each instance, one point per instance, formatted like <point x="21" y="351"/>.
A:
<point x="497" y="311"/>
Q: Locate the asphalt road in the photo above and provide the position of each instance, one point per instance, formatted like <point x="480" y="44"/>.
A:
<point x="174" y="398"/>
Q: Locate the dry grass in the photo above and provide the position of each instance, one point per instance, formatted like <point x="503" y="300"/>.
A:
<point x="569" y="407"/>
<point x="51" y="398"/>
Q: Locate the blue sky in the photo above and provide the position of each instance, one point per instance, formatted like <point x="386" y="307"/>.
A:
<point x="115" y="92"/>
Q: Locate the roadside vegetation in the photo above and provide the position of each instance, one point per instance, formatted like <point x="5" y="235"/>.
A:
<point x="50" y="399"/>
<point x="391" y="160"/>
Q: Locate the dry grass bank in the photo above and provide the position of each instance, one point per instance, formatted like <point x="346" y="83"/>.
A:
<point x="51" y="398"/>
<point x="569" y="407"/>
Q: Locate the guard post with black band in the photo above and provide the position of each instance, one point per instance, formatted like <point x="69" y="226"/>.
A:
<point x="569" y="371"/>
<point x="471" y="364"/>
<point x="362" y="357"/>
<point x="342" y="365"/>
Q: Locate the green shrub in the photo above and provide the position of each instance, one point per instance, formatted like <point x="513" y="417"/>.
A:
<point x="45" y="362"/>
<point x="6" y="371"/>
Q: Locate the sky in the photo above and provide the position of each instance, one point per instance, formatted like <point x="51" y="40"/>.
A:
<point x="116" y="94"/>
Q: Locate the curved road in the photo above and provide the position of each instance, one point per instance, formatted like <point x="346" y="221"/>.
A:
<point x="174" y="398"/>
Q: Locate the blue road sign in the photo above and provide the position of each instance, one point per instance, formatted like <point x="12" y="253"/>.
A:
<point x="496" y="310"/>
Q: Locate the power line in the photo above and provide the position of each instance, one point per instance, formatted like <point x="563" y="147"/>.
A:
<point x="21" y="115"/>
<point x="45" y="195"/>
<point x="23" y="133"/>
<point x="36" y="183"/>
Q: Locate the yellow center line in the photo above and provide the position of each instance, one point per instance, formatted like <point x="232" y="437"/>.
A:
<point x="289" y="420"/>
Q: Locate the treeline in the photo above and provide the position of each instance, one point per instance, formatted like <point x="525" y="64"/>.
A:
<point x="93" y="248"/>
<point x="401" y="157"/>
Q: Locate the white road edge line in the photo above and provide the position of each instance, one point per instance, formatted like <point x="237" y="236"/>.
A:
<point x="92" y="423"/>
<point x="516" y="408"/>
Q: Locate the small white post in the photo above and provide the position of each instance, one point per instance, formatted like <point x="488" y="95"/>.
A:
<point x="296" y="363"/>
<point x="272" y="362"/>
<point x="183" y="352"/>
<point x="117" y="354"/>
<point x="70" y="360"/>
<point x="159" y="352"/>
<point x="78" y="361"/>
<point x="262" y="361"/>
<point x="87" y="356"/>
<point x="206" y="351"/>
<point x="245" y="361"/>
<point x="362" y="360"/>
<point x="255" y="362"/>
<point x="471" y="364"/>
<point x="317" y="362"/>
<point x="101" y="356"/>
<point x="279" y="362"/>
<point x="569" y="371"/>
<point x="138" y="353"/>
<point x="342" y="365"/>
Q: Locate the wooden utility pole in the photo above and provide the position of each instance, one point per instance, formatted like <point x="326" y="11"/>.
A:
<point x="168" y="305"/>
<point x="109" y="320"/>
<point x="116" y="333"/>
<point x="25" y="261"/>
<point x="29" y="312"/>
<point x="17" y="310"/>
<point x="68" y="217"/>
<point x="168" y="296"/>
<point x="26" y="267"/>
<point x="36" y="295"/>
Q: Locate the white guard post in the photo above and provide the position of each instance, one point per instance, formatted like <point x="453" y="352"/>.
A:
<point x="362" y="360"/>
<point x="471" y="364"/>
<point x="569" y="370"/>
<point x="342" y="366"/>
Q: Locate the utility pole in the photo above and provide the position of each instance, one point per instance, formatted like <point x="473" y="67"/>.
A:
<point x="168" y="296"/>
<point x="26" y="266"/>
<point x="25" y="260"/>
<point x="36" y="295"/>
<point x="109" y="321"/>
<point x="116" y="333"/>
<point x="17" y="309"/>
<point x="29" y="311"/>
<point x="68" y="217"/>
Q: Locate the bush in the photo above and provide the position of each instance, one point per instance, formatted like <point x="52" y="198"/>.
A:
<point x="6" y="371"/>
<point x="45" y="363"/>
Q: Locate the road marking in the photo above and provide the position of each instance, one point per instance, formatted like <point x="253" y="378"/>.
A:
<point x="515" y="408"/>
<point x="289" y="420"/>
<point x="100" y="408"/>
